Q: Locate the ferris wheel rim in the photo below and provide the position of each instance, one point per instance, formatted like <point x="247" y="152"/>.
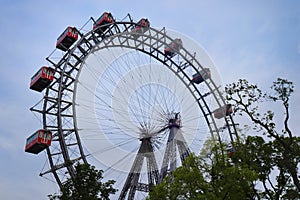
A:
<point x="62" y="84"/>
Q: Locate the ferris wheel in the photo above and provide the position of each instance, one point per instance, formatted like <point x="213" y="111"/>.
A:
<point x="130" y="99"/>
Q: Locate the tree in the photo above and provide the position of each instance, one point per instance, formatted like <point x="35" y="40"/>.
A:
<point x="85" y="185"/>
<point x="210" y="177"/>
<point x="280" y="156"/>
<point x="264" y="166"/>
<point x="186" y="182"/>
<point x="265" y="159"/>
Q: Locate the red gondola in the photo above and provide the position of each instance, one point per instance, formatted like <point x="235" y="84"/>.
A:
<point x="42" y="79"/>
<point x="223" y="111"/>
<point x="38" y="141"/>
<point x="105" y="18"/>
<point x="141" y="27"/>
<point x="230" y="150"/>
<point x="201" y="76"/>
<point x="174" y="47"/>
<point x="67" y="39"/>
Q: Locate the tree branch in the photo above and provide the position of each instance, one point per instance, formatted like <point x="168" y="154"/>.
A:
<point x="287" y="116"/>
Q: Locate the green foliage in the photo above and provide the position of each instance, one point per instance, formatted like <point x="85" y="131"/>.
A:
<point x="85" y="185"/>
<point x="206" y="178"/>
<point x="267" y="159"/>
<point x="256" y="170"/>
<point x="260" y="167"/>
<point x="279" y="157"/>
<point x="186" y="182"/>
<point x="283" y="90"/>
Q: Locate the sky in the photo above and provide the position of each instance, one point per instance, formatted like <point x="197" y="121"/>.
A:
<point x="257" y="40"/>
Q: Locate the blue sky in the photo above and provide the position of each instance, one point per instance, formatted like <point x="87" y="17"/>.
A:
<point x="256" y="40"/>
